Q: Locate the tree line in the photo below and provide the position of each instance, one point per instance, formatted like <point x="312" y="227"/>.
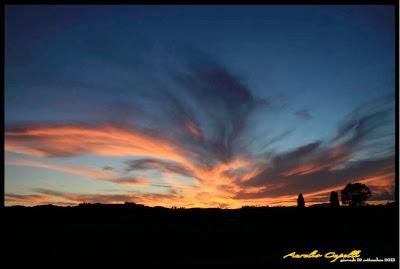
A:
<point x="352" y="195"/>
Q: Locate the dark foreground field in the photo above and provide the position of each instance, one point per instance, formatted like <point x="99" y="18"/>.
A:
<point x="131" y="234"/>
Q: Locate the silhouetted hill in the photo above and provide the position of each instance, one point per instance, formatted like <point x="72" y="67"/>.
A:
<point x="133" y="233"/>
<point x="323" y="205"/>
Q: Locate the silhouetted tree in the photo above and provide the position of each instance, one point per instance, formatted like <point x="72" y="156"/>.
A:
<point x="355" y="194"/>
<point x="300" y="201"/>
<point x="334" y="200"/>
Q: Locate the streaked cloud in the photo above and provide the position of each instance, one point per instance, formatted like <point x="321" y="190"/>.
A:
<point x="304" y="114"/>
<point x="194" y="134"/>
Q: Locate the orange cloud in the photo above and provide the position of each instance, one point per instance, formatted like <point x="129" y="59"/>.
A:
<point x="25" y="199"/>
<point x="192" y="129"/>
<point x="302" y="170"/>
<point x="214" y="185"/>
<point x="72" y="140"/>
<point x="81" y="171"/>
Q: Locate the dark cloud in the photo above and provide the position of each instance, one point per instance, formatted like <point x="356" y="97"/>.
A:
<point x="368" y="118"/>
<point x="259" y="145"/>
<point x="107" y="198"/>
<point x="319" y="180"/>
<point x="108" y="168"/>
<point x="162" y="166"/>
<point x="130" y="181"/>
<point x="320" y="165"/>
<point x="304" y="114"/>
<point x="296" y="155"/>
<point x="18" y="197"/>
<point x="223" y="105"/>
<point x="284" y="162"/>
<point x="48" y="192"/>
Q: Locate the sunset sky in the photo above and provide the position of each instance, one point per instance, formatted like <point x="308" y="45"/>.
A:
<point x="198" y="106"/>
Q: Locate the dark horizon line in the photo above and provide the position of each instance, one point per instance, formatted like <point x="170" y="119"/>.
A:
<point x="136" y="205"/>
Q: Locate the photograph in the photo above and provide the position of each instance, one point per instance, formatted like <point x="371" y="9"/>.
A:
<point x="263" y="133"/>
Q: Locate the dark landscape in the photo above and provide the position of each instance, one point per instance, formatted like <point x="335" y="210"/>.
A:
<point x="133" y="234"/>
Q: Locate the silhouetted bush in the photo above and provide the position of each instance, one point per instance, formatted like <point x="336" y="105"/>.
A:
<point x="334" y="200"/>
<point x="300" y="201"/>
<point x="355" y="194"/>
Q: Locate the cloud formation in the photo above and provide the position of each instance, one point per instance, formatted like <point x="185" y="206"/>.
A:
<point x="197" y="130"/>
<point x="304" y="114"/>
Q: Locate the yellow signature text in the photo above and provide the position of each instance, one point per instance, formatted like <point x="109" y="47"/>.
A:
<point x="329" y="255"/>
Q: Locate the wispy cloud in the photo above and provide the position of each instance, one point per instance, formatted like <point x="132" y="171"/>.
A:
<point x="91" y="173"/>
<point x="80" y="171"/>
<point x="304" y="114"/>
<point x="72" y="140"/>
<point x="197" y="132"/>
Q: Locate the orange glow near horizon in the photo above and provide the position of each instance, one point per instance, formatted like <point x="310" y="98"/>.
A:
<point x="214" y="186"/>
